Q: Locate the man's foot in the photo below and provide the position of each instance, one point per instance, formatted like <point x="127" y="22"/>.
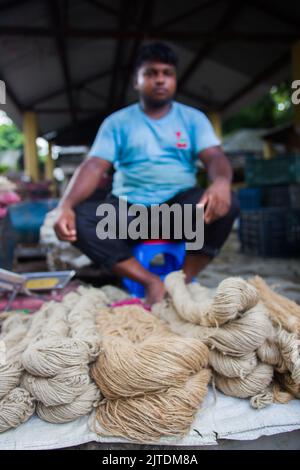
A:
<point x="155" y="291"/>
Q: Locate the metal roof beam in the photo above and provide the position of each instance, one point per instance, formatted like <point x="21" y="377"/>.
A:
<point x="54" y="11"/>
<point x="229" y="16"/>
<point x="258" y="79"/>
<point x="226" y="35"/>
<point x="145" y="21"/>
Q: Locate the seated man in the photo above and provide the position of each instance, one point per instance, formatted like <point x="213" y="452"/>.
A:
<point x="153" y="146"/>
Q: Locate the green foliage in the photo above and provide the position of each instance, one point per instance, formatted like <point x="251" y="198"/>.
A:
<point x="10" y="137"/>
<point x="271" y="110"/>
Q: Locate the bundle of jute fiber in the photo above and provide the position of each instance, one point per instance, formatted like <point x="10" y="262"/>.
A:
<point x="243" y="326"/>
<point x="148" y="418"/>
<point x="142" y="364"/>
<point x="10" y="377"/>
<point x="114" y="294"/>
<point x="16" y="404"/>
<point x="126" y="370"/>
<point x="288" y="384"/>
<point x="61" y="389"/>
<point x="233" y="297"/>
<point x="236" y="338"/>
<point x="82" y="405"/>
<point x="11" y="320"/>
<point x="11" y="369"/>
<point x="269" y="353"/>
<point x="15" y="408"/>
<point x="282" y="310"/>
<point x="130" y="321"/>
<point x="243" y="335"/>
<point x="289" y="347"/>
<point x="57" y="365"/>
<point x="233" y="367"/>
<point x="257" y="381"/>
<point x="82" y="319"/>
<point x="164" y="311"/>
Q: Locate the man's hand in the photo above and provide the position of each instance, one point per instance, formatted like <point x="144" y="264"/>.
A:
<point x="65" y="226"/>
<point x="216" y="200"/>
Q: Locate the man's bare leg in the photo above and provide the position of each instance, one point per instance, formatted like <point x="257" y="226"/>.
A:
<point x="132" y="269"/>
<point x="193" y="264"/>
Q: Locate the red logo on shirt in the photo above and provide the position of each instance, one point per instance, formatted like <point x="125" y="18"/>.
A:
<point x="181" y="142"/>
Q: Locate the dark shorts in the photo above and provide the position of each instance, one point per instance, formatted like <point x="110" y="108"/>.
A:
<point x="108" y="252"/>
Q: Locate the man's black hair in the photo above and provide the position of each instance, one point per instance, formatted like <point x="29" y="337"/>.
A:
<point x="157" y="51"/>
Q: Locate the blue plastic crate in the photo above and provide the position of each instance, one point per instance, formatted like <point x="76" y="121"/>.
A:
<point x="271" y="232"/>
<point x="280" y="170"/>
<point x="28" y="217"/>
<point x="250" y="198"/>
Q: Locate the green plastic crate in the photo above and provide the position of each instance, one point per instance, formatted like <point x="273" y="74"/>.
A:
<point x="281" y="170"/>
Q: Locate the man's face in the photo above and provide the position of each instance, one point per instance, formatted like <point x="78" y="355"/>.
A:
<point x="156" y="82"/>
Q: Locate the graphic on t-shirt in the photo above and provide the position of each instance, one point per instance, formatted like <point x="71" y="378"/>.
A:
<point x="181" y="143"/>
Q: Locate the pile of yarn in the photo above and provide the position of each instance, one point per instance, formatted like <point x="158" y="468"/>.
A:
<point x="284" y="352"/>
<point x="57" y="363"/>
<point x="44" y="360"/>
<point x="232" y="323"/>
<point x="153" y="381"/>
<point x="16" y="403"/>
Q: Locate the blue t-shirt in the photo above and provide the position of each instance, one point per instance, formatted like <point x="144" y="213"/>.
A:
<point x="154" y="159"/>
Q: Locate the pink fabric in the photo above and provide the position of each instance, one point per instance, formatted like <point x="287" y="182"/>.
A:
<point x="9" y="197"/>
<point x="134" y="301"/>
<point x="3" y="212"/>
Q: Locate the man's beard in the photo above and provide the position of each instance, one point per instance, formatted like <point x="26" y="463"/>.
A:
<point x="156" y="104"/>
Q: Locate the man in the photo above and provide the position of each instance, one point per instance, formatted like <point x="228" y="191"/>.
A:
<point x="153" y="146"/>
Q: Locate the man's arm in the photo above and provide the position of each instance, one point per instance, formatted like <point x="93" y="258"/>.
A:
<point x="83" y="183"/>
<point x="217" y="198"/>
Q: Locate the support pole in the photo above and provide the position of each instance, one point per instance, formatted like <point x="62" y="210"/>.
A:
<point x="30" y="129"/>
<point x="216" y="120"/>
<point x="49" y="165"/>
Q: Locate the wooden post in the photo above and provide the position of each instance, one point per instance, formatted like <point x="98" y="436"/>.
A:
<point x="216" y="121"/>
<point x="268" y="150"/>
<point x="49" y="164"/>
<point x="30" y="129"/>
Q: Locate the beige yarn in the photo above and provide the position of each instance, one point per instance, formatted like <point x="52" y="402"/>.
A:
<point x="46" y="358"/>
<point x="147" y="419"/>
<point x="233" y="297"/>
<point x="127" y="370"/>
<point x="63" y="388"/>
<point x="81" y="406"/>
<point x="269" y="353"/>
<point x="147" y="375"/>
<point x="114" y="294"/>
<point x="232" y="366"/>
<point x="244" y="327"/>
<point x="262" y="400"/>
<point x="286" y="381"/>
<point x="10" y="376"/>
<point x="257" y="381"/>
<point x="165" y="311"/>
<point x="15" y="408"/>
<point x="290" y="349"/>
<point x="236" y="338"/>
<point x="282" y="310"/>
<point x="130" y="321"/>
<point x="244" y="335"/>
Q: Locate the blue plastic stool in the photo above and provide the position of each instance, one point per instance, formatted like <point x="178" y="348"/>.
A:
<point x="173" y="252"/>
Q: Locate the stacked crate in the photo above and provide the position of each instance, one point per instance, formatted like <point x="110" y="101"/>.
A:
<point x="270" y="207"/>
